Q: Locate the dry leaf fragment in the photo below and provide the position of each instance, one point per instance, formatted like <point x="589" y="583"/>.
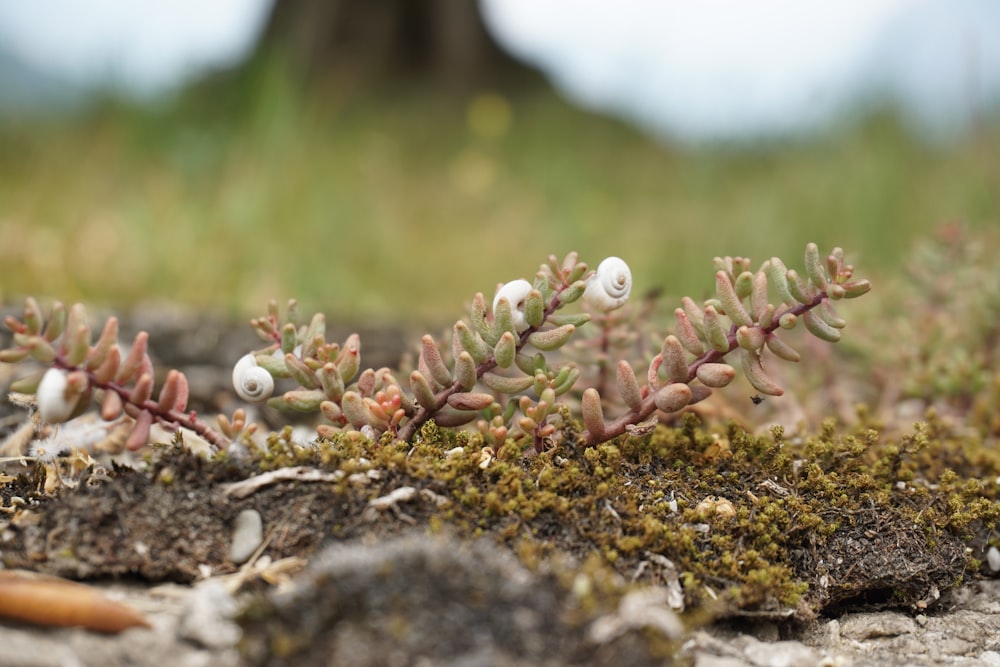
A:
<point x="50" y="601"/>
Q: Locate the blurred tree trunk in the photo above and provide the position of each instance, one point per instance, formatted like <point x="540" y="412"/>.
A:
<point x="443" y="43"/>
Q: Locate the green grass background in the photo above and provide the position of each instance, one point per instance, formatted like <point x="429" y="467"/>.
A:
<point x="400" y="206"/>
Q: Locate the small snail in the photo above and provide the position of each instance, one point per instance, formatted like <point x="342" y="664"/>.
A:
<point x="53" y="404"/>
<point x="515" y="292"/>
<point x="609" y="287"/>
<point x="252" y="383"/>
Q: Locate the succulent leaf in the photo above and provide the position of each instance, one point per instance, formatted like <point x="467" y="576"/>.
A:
<point x="672" y="397"/>
<point x="505" y="384"/>
<point x="781" y="349"/>
<point x="803" y="293"/>
<point x="718" y="338"/>
<point x="465" y="370"/>
<point x="505" y="350"/>
<point x="628" y="386"/>
<point x="479" y="321"/>
<point x="817" y="327"/>
<point x="421" y="389"/>
<point x="777" y="274"/>
<point x="534" y="308"/>
<point x="744" y="285"/>
<point x="695" y="315"/>
<point x="303" y="400"/>
<point x="56" y="323"/>
<point x="551" y="339"/>
<point x="331" y="381"/>
<point x="353" y="408"/>
<point x="814" y="267"/>
<point x="686" y="333"/>
<point x="301" y="372"/>
<point x="431" y="356"/>
<point x="675" y="363"/>
<point x="593" y="413"/>
<point x="856" y="288"/>
<point x="469" y="400"/>
<point x="750" y="338"/>
<point x="731" y="303"/>
<point x="715" y="375"/>
<point x="471" y="342"/>
<point x="754" y="370"/>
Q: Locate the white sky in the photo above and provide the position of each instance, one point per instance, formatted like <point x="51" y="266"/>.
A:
<point x="722" y="68"/>
<point x="689" y="69"/>
<point x="144" y="44"/>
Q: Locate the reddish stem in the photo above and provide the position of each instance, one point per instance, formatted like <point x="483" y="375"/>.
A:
<point x="171" y="419"/>
<point x="617" y="427"/>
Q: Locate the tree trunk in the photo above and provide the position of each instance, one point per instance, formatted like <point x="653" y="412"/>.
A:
<point x="440" y="43"/>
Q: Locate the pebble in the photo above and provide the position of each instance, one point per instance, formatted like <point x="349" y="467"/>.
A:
<point x="207" y="619"/>
<point x="993" y="558"/>
<point x="248" y="533"/>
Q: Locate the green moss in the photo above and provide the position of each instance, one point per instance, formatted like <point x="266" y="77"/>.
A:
<point x="750" y="523"/>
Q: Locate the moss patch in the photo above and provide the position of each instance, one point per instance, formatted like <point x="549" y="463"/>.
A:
<point x="746" y="524"/>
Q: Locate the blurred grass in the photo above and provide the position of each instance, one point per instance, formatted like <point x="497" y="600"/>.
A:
<point x="401" y="206"/>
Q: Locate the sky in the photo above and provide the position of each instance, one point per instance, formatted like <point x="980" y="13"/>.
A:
<point x="706" y="70"/>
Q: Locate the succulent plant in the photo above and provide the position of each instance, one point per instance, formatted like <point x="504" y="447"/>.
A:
<point x="76" y="368"/>
<point x="503" y="371"/>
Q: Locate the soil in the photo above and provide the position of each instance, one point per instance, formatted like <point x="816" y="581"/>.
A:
<point x="402" y="560"/>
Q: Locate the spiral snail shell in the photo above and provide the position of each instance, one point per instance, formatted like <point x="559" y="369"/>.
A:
<point x="515" y="292"/>
<point x="609" y="287"/>
<point x="252" y="383"/>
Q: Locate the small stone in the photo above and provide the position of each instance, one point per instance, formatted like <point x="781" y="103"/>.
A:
<point x="207" y="619"/>
<point x="993" y="559"/>
<point x="990" y="658"/>
<point x="248" y="533"/>
<point x="864" y="626"/>
<point x="779" y="654"/>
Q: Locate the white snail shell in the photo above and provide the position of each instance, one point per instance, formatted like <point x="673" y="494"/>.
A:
<point x="53" y="407"/>
<point x="609" y="287"/>
<point x="516" y="291"/>
<point x="252" y="383"/>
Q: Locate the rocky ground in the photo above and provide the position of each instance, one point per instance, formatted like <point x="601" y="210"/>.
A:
<point x="430" y="601"/>
<point x="253" y="582"/>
